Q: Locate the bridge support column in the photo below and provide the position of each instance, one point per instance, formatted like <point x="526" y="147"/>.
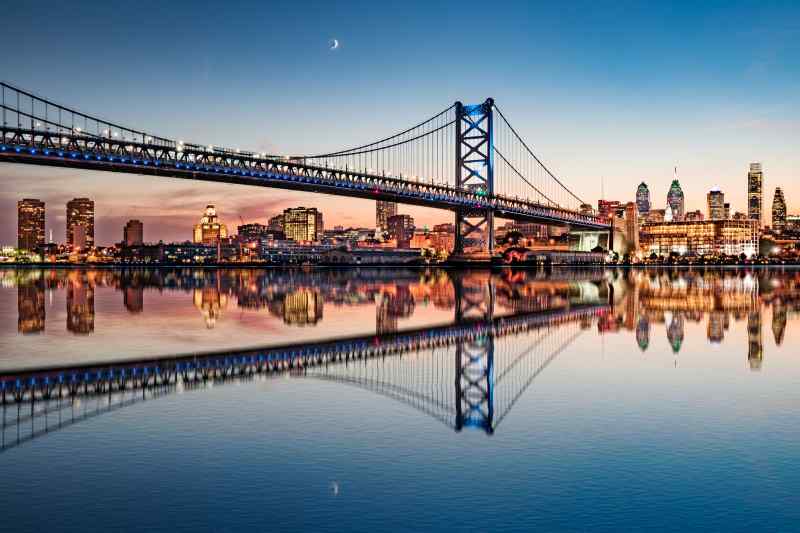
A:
<point x="475" y="173"/>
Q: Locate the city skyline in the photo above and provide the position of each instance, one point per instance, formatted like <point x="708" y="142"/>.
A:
<point x="590" y="110"/>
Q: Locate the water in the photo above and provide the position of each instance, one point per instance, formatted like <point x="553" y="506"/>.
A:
<point x="588" y="400"/>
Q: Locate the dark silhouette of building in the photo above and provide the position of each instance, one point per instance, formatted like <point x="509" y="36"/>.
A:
<point x="133" y="234"/>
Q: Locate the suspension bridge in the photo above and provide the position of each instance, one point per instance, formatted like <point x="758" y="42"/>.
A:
<point x="468" y="159"/>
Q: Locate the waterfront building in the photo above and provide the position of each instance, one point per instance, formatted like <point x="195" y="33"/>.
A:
<point x="401" y="229"/>
<point x="607" y="208"/>
<point x="793" y="223"/>
<point x="755" y="184"/>
<point x="631" y="226"/>
<point x="133" y="233"/>
<point x="708" y="237"/>
<point x="209" y="230"/>
<point x="694" y="216"/>
<point x="643" y="199"/>
<point x="586" y="209"/>
<point x="715" y="200"/>
<point x="276" y="223"/>
<point x="778" y="211"/>
<point x="655" y="216"/>
<point x="80" y="212"/>
<point x="675" y="199"/>
<point x="30" y="224"/>
<point x="383" y="212"/>
<point x="254" y="232"/>
<point x="303" y="224"/>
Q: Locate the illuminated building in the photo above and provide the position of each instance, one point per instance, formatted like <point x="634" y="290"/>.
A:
<point x="383" y="212"/>
<point x="675" y="199"/>
<point x="133" y="234"/>
<point x="778" y="211"/>
<point x="655" y="216"/>
<point x="632" y="226"/>
<point x="607" y="208"/>
<point x="726" y="211"/>
<point x="643" y="199"/>
<point x="276" y="223"/>
<point x="209" y="230"/>
<point x="30" y="224"/>
<point x="303" y="224"/>
<point x="693" y="216"/>
<point x="755" y="185"/>
<point x="708" y="237"/>
<point x="715" y="200"/>
<point x="401" y="229"/>
<point x="253" y="233"/>
<point x="80" y="212"/>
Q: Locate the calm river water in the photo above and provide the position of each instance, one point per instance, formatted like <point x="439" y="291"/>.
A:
<point x="392" y="399"/>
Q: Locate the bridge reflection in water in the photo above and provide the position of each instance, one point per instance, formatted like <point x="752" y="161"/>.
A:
<point x="465" y="374"/>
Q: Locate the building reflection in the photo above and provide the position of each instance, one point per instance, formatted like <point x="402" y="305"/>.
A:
<point x="133" y="299"/>
<point x="80" y="306"/>
<point x="302" y="308"/>
<point x="755" y="349"/>
<point x="31" y="307"/>
<point x="647" y="304"/>
<point x="211" y="303"/>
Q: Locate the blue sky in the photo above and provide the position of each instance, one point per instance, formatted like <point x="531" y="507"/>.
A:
<point x="620" y="90"/>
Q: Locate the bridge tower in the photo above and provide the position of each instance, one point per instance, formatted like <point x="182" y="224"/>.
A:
<point x="474" y="364"/>
<point x="474" y="172"/>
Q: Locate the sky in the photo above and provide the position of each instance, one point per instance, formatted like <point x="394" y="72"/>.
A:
<point x="605" y="92"/>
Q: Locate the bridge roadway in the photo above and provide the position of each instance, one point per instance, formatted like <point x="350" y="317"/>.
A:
<point x="72" y="150"/>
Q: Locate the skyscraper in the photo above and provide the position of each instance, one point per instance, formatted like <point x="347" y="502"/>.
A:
<point x="303" y="224"/>
<point x="384" y="210"/>
<point x="80" y="212"/>
<point x="675" y="198"/>
<point x="778" y="211"/>
<point x="133" y="234"/>
<point x="643" y="199"/>
<point x="716" y="204"/>
<point x="30" y="224"/>
<point x="755" y="185"/>
<point x="209" y="230"/>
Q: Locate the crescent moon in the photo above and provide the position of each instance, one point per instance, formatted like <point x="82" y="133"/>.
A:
<point x="334" y="44"/>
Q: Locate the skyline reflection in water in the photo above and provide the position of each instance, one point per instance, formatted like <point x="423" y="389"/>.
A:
<point x="173" y="311"/>
<point x="623" y="400"/>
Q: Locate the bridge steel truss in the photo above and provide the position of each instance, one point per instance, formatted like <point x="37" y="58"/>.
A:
<point x="37" y="131"/>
